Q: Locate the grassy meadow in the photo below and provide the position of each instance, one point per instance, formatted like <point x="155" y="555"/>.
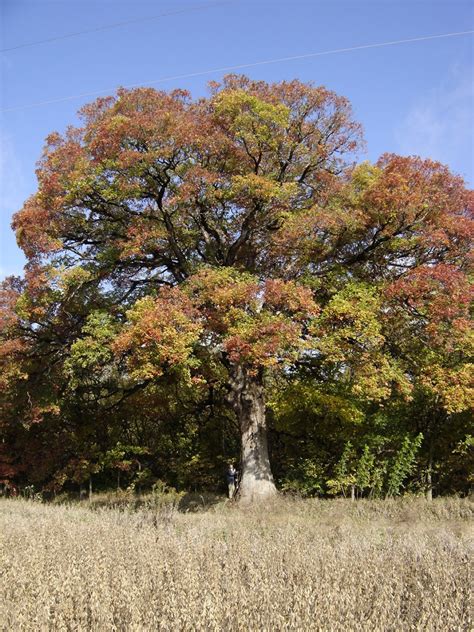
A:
<point x="295" y="565"/>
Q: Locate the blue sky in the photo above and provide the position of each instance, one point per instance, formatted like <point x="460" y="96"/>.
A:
<point x="413" y="98"/>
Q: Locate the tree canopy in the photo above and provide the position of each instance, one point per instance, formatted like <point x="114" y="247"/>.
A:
<point x="202" y="271"/>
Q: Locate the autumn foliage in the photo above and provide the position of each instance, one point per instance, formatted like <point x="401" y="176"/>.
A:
<point x="190" y="260"/>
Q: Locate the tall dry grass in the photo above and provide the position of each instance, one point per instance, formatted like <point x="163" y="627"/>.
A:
<point x="296" y="565"/>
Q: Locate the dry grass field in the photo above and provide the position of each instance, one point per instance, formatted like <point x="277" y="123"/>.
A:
<point x="296" y="565"/>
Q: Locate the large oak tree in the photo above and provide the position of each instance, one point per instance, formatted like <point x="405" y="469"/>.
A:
<point x="233" y="236"/>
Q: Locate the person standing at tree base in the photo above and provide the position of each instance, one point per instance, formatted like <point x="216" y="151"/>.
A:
<point x="231" y="481"/>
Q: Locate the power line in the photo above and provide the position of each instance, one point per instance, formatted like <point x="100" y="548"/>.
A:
<point x="200" y="73"/>
<point x="115" y="25"/>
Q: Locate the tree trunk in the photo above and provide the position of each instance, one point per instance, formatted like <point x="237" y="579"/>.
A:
<point x="248" y="400"/>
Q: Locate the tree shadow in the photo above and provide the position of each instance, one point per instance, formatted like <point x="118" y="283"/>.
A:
<point x="193" y="502"/>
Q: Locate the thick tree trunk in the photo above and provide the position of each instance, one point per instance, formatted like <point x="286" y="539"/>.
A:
<point x="248" y="400"/>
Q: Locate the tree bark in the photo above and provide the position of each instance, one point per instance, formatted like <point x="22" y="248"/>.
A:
<point x="248" y="400"/>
